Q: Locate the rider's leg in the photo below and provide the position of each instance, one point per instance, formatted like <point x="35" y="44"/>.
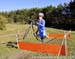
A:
<point x="42" y="37"/>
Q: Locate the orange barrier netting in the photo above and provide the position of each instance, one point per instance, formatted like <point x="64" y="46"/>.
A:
<point x="58" y="36"/>
<point x="44" y="48"/>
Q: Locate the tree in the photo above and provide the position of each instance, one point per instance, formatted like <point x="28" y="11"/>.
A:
<point x="2" y="22"/>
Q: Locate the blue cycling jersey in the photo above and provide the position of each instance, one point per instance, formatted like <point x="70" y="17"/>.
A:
<point x="41" y="27"/>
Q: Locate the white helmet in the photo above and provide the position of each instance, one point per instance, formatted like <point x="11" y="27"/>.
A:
<point x="41" y="14"/>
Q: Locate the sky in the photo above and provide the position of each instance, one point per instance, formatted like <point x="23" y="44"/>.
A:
<point x="8" y="5"/>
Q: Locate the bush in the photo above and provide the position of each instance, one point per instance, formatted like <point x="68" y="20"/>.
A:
<point x="2" y="22"/>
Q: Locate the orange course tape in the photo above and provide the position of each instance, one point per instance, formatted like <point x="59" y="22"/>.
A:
<point x="44" y="48"/>
<point x="58" y="36"/>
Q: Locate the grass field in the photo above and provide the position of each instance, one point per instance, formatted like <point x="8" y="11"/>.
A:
<point x="15" y="53"/>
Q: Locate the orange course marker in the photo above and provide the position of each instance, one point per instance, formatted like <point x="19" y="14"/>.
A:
<point x="44" y="48"/>
<point x="58" y="36"/>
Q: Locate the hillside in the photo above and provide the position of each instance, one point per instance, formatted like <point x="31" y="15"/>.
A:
<point x="9" y="52"/>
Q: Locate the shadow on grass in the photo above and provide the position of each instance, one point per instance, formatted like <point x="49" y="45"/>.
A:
<point x="11" y="44"/>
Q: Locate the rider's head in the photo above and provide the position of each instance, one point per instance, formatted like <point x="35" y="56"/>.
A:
<point x="41" y="15"/>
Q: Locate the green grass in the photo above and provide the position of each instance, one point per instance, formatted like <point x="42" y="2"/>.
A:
<point x="12" y="53"/>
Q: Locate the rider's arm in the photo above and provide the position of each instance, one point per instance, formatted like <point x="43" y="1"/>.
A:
<point x="41" y="24"/>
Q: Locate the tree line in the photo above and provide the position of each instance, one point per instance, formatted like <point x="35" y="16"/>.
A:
<point x="53" y="17"/>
